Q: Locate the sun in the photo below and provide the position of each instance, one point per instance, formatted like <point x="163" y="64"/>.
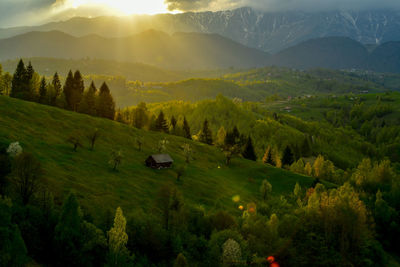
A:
<point x="127" y="7"/>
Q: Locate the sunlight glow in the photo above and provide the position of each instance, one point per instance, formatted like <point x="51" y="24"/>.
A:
<point x="126" y="7"/>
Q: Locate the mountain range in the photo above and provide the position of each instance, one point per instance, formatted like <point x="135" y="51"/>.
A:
<point x="198" y="51"/>
<point x="270" y="32"/>
<point x="183" y="51"/>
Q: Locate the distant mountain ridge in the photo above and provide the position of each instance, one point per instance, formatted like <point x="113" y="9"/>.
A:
<point x="271" y="32"/>
<point x="184" y="51"/>
<point x="197" y="51"/>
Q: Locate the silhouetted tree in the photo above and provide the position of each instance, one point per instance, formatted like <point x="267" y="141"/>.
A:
<point x="88" y="103"/>
<point x="248" y="152"/>
<point x="161" y="123"/>
<point x="288" y="157"/>
<point x="43" y="91"/>
<point x="19" y="87"/>
<point x="186" y="129"/>
<point x="206" y="134"/>
<point x="105" y="103"/>
<point x="57" y="89"/>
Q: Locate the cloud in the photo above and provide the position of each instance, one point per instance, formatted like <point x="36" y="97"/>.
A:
<point x="281" y="5"/>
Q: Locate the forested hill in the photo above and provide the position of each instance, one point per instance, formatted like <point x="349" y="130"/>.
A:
<point x="188" y="51"/>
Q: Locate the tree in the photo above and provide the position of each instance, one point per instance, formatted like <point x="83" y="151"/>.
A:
<point x="93" y="137"/>
<point x="105" y="103"/>
<point x="221" y="135"/>
<point x="162" y="145"/>
<point x="265" y="189"/>
<point x="69" y="90"/>
<point x="27" y="174"/>
<point x="186" y="129"/>
<point x="75" y="140"/>
<point x="173" y="122"/>
<point x="232" y="137"/>
<point x="206" y="134"/>
<point x="161" y="123"/>
<point x="78" y="89"/>
<point x="19" y="86"/>
<point x="231" y="253"/>
<point x="68" y="233"/>
<point x="43" y="91"/>
<point x="267" y="158"/>
<point x="140" y="118"/>
<point x="13" y="251"/>
<point x="288" y="157"/>
<point x="187" y="152"/>
<point x="14" y="149"/>
<point x="248" y="152"/>
<point x="5" y="84"/>
<point x="88" y="103"/>
<point x="117" y="241"/>
<point x="116" y="159"/>
<point x="230" y="152"/>
<point x="169" y="202"/>
<point x="57" y="89"/>
<point x="180" y="261"/>
<point x="308" y="169"/>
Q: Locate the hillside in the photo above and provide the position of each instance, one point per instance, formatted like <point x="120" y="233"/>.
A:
<point x="332" y="52"/>
<point x="100" y="189"/>
<point x="268" y="31"/>
<point x="189" y="51"/>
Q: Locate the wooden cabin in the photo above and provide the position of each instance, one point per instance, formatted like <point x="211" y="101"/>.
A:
<point x="159" y="161"/>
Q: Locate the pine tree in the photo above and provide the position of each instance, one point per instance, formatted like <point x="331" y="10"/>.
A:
<point x="268" y="156"/>
<point x="57" y="88"/>
<point x="186" y="129"/>
<point x="105" y="103"/>
<point x="69" y="90"/>
<point x="79" y="88"/>
<point x="288" y="157"/>
<point x="206" y="134"/>
<point x="232" y="137"/>
<point x="140" y="116"/>
<point x="173" y="122"/>
<point x="117" y="241"/>
<point x="248" y="152"/>
<point x="43" y="91"/>
<point x="180" y="261"/>
<point x="19" y="87"/>
<point x="68" y="232"/>
<point x="88" y="103"/>
<point x="265" y="189"/>
<point x="161" y="123"/>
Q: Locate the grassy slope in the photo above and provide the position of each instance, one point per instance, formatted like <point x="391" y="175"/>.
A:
<point x="43" y="131"/>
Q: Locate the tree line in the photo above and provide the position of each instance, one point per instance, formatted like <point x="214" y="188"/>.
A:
<point x="26" y="84"/>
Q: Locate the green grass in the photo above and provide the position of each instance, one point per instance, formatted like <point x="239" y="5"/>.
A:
<point x="43" y="131"/>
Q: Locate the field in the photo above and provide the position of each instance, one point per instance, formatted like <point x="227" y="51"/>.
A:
<point x="207" y="181"/>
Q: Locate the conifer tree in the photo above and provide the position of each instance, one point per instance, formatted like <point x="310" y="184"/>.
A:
<point x="186" y="129"/>
<point x="206" y="134"/>
<point x="180" y="261"/>
<point x="173" y="122"/>
<point x="105" y="103"/>
<point x="232" y="137"/>
<point x="19" y="87"/>
<point x="248" y="152"/>
<point x="140" y="115"/>
<point x="69" y="90"/>
<point x="57" y="88"/>
<point x="268" y="156"/>
<point x="79" y="88"/>
<point x="288" y="157"/>
<point x="117" y="241"/>
<point x="88" y="103"/>
<point x="68" y="232"/>
<point x="161" y="123"/>
<point x="43" y="91"/>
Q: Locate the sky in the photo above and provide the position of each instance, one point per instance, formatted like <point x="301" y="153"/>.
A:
<point x="34" y="12"/>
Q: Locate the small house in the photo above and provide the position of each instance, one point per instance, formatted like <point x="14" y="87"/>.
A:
<point x="159" y="161"/>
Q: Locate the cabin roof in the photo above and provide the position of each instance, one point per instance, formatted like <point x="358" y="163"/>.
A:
<point x="162" y="158"/>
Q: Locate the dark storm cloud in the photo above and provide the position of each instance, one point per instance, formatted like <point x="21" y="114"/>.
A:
<point x="17" y="12"/>
<point x="281" y="5"/>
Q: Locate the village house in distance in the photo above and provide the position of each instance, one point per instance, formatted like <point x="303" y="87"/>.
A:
<point x="159" y="161"/>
